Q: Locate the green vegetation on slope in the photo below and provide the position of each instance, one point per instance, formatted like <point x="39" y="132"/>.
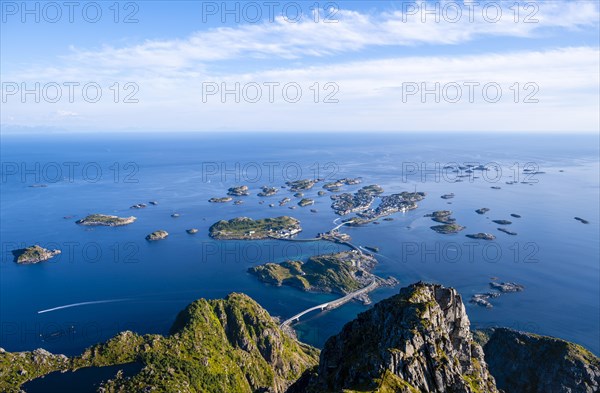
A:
<point x="324" y="273"/>
<point x="247" y="228"/>
<point x="225" y="345"/>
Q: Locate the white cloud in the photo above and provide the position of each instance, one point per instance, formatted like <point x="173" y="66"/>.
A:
<point x="170" y="74"/>
<point x="63" y="113"/>
<point x="370" y="97"/>
<point x="354" y="31"/>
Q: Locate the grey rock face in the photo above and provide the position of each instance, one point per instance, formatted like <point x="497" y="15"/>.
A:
<point x="529" y="363"/>
<point x="416" y="341"/>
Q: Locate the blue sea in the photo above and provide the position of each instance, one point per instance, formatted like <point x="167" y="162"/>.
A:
<point x="111" y="279"/>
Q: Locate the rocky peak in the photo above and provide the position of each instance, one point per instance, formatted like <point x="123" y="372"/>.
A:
<point x="418" y="340"/>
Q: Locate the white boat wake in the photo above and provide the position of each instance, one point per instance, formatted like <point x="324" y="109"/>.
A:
<point x="81" y="304"/>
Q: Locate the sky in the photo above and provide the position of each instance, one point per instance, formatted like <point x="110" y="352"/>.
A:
<point x="211" y="66"/>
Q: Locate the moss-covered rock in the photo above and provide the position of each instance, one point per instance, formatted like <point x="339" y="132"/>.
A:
<point x="225" y="345"/>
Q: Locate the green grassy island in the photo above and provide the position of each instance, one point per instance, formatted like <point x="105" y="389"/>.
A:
<point x="340" y="273"/>
<point x="244" y="228"/>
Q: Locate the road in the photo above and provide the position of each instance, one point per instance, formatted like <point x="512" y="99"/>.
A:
<point x="333" y="304"/>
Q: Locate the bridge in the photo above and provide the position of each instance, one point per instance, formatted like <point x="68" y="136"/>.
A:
<point x="333" y="304"/>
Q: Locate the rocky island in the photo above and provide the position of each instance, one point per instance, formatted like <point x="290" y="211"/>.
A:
<point x="340" y="273"/>
<point x="447" y="229"/>
<point x="449" y="224"/>
<point x="157" y="235"/>
<point x="482" y="236"/>
<point x="508" y="232"/>
<point x="338" y="184"/>
<point x="482" y="299"/>
<point x="244" y="228"/>
<point x="238" y="191"/>
<point x="442" y="216"/>
<point x="220" y="200"/>
<point x="267" y="191"/>
<point x="483" y="210"/>
<point x="306" y="202"/>
<point x="302" y="185"/>
<point x="502" y="222"/>
<point x="33" y="254"/>
<point x="507" y="286"/>
<point x="105" y="220"/>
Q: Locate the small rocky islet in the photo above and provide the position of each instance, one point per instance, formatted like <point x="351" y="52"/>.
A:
<point x="372" y="248"/>
<point x="481" y="236"/>
<point x="157" y="235"/>
<point x="306" y="202"/>
<point x="449" y="225"/>
<point x="447" y="229"/>
<point x="105" y="220"/>
<point x="238" y="191"/>
<point x="335" y="186"/>
<point x="267" y="191"/>
<point x="302" y="185"/>
<point x="508" y="232"/>
<point x="33" y="254"/>
<point x="441" y="216"/>
<point x="220" y="200"/>
<point x="483" y="299"/>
